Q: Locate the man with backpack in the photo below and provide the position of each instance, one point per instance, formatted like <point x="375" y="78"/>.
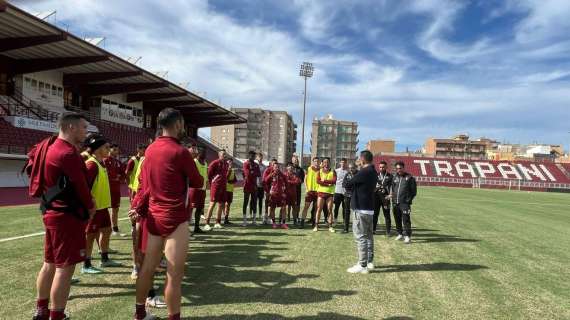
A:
<point x="58" y="175"/>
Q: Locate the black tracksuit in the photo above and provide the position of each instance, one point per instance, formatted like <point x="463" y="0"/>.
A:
<point x="403" y="192"/>
<point x="381" y="202"/>
<point x="346" y="200"/>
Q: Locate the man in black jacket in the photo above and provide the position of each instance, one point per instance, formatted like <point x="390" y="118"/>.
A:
<point x="381" y="200"/>
<point x="352" y="171"/>
<point x="300" y="173"/>
<point x="363" y="185"/>
<point x="403" y="193"/>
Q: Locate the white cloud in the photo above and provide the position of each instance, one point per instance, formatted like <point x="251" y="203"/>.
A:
<point x="257" y="65"/>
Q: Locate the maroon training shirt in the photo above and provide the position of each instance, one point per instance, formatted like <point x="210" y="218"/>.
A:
<point x="64" y="158"/>
<point x="168" y="170"/>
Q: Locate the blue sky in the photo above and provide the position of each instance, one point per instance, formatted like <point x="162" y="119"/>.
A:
<point x="405" y="70"/>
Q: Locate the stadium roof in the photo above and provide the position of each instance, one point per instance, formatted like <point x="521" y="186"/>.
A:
<point x="29" y="44"/>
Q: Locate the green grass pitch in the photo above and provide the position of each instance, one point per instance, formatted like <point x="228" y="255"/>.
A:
<point x="476" y="254"/>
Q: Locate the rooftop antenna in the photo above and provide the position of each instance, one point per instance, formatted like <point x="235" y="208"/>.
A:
<point x="162" y="74"/>
<point x="96" y="41"/>
<point x="133" y="60"/>
<point x="46" y="14"/>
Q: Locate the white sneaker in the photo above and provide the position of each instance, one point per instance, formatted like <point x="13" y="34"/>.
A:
<point x="399" y="237"/>
<point x="207" y="227"/>
<point x="331" y="229"/>
<point x="254" y="221"/>
<point x="134" y="274"/>
<point x="218" y="226"/>
<point x="407" y="240"/>
<point x="155" y="302"/>
<point x="315" y="229"/>
<point x="115" y="234"/>
<point x="357" y="269"/>
<point x="370" y="266"/>
<point x="203" y="217"/>
<point x="244" y="224"/>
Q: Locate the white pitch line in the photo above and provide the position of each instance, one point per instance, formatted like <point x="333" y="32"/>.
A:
<point x="24" y="236"/>
<point x="43" y="232"/>
<point x="34" y="234"/>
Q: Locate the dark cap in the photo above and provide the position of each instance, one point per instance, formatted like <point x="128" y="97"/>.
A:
<point x="95" y="141"/>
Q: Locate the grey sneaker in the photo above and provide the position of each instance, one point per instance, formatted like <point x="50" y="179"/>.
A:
<point x="91" y="270"/>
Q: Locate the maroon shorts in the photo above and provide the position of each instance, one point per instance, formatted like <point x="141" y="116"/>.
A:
<point x="325" y="195"/>
<point x="160" y="226"/>
<point x="197" y="197"/>
<point x="100" y="220"/>
<point x="276" y="201"/>
<point x="218" y="194"/>
<point x="229" y="197"/>
<point x="311" y="196"/>
<point x="292" y="199"/>
<point x="143" y="235"/>
<point x="64" y="243"/>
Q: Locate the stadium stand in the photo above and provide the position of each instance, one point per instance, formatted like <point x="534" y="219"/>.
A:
<point x="518" y="175"/>
<point x="45" y="70"/>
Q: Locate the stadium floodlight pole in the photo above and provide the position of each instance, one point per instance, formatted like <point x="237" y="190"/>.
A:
<point x="306" y="71"/>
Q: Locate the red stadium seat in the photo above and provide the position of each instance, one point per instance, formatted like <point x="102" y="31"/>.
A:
<point x="525" y="175"/>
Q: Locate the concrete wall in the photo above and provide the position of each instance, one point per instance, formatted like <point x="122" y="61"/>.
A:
<point x="10" y="175"/>
<point x="45" y="88"/>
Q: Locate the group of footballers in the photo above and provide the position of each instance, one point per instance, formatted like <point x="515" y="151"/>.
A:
<point x="168" y="182"/>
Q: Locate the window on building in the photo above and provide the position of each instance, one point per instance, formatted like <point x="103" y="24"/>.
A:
<point x="53" y="90"/>
<point x="60" y="92"/>
<point x="34" y="84"/>
<point x="41" y="86"/>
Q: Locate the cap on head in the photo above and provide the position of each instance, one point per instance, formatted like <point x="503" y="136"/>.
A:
<point x="95" y="141"/>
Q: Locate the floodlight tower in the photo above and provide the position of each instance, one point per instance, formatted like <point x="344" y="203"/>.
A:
<point x="306" y="71"/>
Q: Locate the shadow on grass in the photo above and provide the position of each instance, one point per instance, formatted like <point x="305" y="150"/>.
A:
<point x="438" y="266"/>
<point x="269" y="316"/>
<point x="251" y="232"/>
<point x="216" y="276"/>
<point x="435" y="237"/>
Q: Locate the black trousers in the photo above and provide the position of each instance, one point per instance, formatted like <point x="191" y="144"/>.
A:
<point x="382" y="204"/>
<point x="251" y="199"/>
<point x="346" y="212"/>
<point x="259" y="200"/>
<point x="338" y="201"/>
<point x="197" y="213"/>
<point x="403" y="216"/>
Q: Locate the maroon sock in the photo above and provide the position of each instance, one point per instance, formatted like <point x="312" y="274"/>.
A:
<point x="56" y="314"/>
<point x="42" y="306"/>
<point x="174" y="316"/>
<point x="140" y="311"/>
